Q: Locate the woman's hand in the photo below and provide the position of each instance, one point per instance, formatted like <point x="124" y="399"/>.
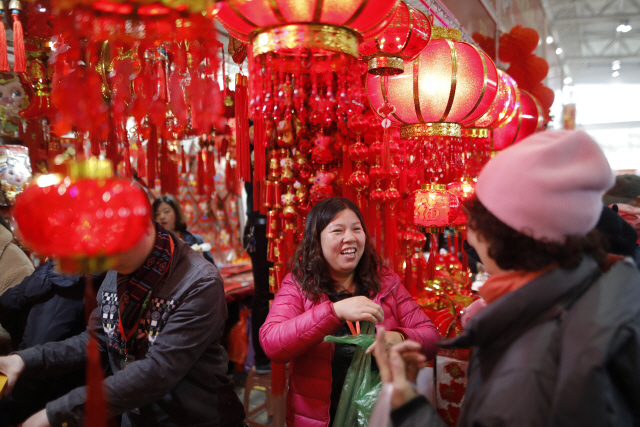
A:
<point x="39" y="419"/>
<point x="11" y="366"/>
<point x="358" y="308"/>
<point x="399" y="366"/>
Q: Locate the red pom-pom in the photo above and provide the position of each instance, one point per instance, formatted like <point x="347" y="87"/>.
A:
<point x="517" y="43"/>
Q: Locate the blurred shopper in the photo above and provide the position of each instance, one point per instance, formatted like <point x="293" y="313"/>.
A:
<point x="159" y="321"/>
<point x="14" y="266"/>
<point x="559" y="341"/>
<point x="168" y="212"/>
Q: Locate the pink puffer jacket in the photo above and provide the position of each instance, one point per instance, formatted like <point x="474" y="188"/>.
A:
<point x="294" y="332"/>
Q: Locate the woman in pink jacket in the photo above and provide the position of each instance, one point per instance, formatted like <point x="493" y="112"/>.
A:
<point x="337" y="276"/>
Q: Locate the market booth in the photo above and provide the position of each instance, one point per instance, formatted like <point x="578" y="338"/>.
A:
<point x="396" y="106"/>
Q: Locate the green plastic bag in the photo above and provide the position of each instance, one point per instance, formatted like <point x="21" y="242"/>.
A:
<point x="361" y="386"/>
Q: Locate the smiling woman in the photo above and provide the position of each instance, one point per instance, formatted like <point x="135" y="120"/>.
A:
<point x="336" y="276"/>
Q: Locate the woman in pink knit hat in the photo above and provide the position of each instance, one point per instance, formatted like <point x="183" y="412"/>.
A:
<point x="559" y="341"/>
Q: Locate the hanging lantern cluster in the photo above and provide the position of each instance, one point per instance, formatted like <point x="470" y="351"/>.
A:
<point x="90" y="217"/>
<point x="303" y="61"/>
<point x="150" y="61"/>
<point x="405" y="37"/>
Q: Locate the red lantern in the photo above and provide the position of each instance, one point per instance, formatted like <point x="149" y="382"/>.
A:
<point x="450" y="82"/>
<point x="403" y="39"/>
<point x="245" y="20"/>
<point x="433" y="206"/>
<point x="303" y="59"/>
<point x="90" y="216"/>
<point x="463" y="189"/>
<point x="529" y="118"/>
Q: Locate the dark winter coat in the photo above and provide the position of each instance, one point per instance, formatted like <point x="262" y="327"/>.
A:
<point x="45" y="307"/>
<point x="179" y="375"/>
<point x="564" y="350"/>
<point x="191" y="239"/>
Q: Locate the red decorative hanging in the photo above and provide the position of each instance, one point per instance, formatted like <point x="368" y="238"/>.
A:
<point x="405" y="37"/>
<point x="528" y="118"/>
<point x="433" y="206"/>
<point x="4" y="56"/>
<point x="90" y="217"/>
<point x="19" y="54"/>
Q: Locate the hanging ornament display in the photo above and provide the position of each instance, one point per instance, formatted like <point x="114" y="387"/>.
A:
<point x="528" y="118"/>
<point x="450" y="83"/>
<point x="405" y="37"/>
<point x="303" y="60"/>
<point x="90" y="217"/>
<point x="154" y="62"/>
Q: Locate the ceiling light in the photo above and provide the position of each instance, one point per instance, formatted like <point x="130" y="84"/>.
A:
<point x="42" y="9"/>
<point x="615" y="74"/>
<point x="568" y="80"/>
<point x="624" y="27"/>
<point x="615" y="66"/>
<point x="549" y="39"/>
<point x="558" y="51"/>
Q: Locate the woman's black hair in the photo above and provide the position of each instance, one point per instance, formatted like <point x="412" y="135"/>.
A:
<point x="513" y="250"/>
<point x="309" y="267"/>
<point x="181" y="219"/>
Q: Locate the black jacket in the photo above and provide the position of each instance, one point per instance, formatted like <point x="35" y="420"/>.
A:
<point x="44" y="307"/>
<point x="191" y="239"/>
<point x="564" y="350"/>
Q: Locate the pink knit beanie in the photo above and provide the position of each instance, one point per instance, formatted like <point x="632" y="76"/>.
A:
<point x="548" y="186"/>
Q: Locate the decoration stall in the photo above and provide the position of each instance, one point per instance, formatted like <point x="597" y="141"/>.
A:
<point x="393" y="107"/>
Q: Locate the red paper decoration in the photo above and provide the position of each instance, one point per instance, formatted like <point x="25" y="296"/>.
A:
<point x="463" y="189"/>
<point x="82" y="218"/>
<point x="403" y="39"/>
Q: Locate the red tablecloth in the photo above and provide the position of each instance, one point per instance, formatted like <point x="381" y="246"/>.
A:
<point x="238" y="281"/>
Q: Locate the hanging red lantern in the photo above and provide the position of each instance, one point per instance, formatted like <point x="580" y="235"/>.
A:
<point x="90" y="217"/>
<point x="433" y="206"/>
<point x="303" y="59"/>
<point x="463" y="189"/>
<point x="529" y="118"/>
<point x="405" y="37"/>
<point x="450" y="83"/>
<point x="475" y="135"/>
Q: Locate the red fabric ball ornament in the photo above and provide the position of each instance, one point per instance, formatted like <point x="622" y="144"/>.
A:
<point x="89" y="217"/>
<point x="433" y="206"/>
<point x="358" y="152"/>
<point x="359" y="180"/>
<point x="544" y="95"/>
<point x="518" y="42"/>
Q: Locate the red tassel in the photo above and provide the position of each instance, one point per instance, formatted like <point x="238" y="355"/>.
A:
<point x="95" y="144"/>
<point x="183" y="160"/>
<point x="152" y="157"/>
<point x="347" y="169"/>
<point x="259" y="147"/>
<point x="127" y="159"/>
<point x="433" y="253"/>
<point x="142" y="161"/>
<point x="386" y="150"/>
<point x="408" y="273"/>
<point x="201" y="172"/>
<point x="210" y="169"/>
<point x="165" y="185"/>
<point x="243" y="155"/>
<point x="95" y="410"/>
<point x="19" y="55"/>
<point x="4" y="56"/>
<point x="390" y="231"/>
<point x="420" y="273"/>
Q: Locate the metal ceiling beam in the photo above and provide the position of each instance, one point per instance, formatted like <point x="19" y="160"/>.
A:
<point x="579" y="20"/>
<point x="601" y="59"/>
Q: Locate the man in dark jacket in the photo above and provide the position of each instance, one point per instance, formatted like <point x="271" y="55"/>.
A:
<point x="159" y="320"/>
<point x="45" y="307"/>
<point x="559" y="341"/>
